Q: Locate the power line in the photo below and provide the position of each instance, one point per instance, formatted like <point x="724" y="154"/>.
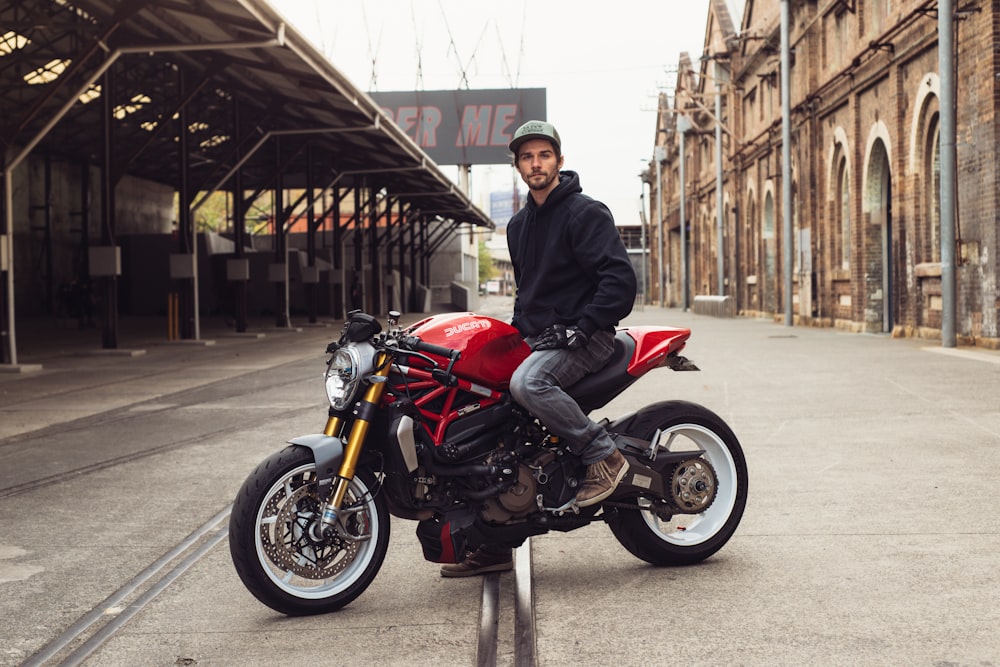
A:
<point x="372" y="53"/>
<point x="419" y="47"/>
<point x="452" y="47"/>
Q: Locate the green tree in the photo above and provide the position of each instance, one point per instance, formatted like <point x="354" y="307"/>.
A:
<point x="486" y="268"/>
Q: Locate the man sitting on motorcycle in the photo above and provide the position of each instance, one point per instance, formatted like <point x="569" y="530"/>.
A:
<point x="575" y="283"/>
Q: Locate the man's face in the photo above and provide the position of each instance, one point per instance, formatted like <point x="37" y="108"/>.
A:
<point x="538" y="164"/>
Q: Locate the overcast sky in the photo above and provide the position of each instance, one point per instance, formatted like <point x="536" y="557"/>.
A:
<point x="601" y="64"/>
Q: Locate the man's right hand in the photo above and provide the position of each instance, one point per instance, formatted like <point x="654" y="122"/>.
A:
<point x="559" y="336"/>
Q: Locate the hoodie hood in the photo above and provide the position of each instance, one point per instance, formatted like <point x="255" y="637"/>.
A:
<point x="569" y="183"/>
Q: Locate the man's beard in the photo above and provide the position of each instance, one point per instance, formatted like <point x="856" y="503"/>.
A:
<point x="541" y="185"/>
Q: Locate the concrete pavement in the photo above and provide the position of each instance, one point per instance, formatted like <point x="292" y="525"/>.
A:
<point x="870" y="535"/>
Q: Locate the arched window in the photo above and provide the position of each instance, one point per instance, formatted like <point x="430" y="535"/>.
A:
<point x="932" y="189"/>
<point x="843" y="205"/>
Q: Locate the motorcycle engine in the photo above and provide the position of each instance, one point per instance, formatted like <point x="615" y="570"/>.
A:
<point x="516" y="502"/>
<point x="545" y="473"/>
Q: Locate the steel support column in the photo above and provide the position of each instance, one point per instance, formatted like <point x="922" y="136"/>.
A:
<point x="374" y="260"/>
<point x="239" y="226"/>
<point x="357" y="284"/>
<point x="339" y="311"/>
<point x="310" y="287"/>
<point x="404" y="301"/>
<point x="108" y="284"/>
<point x="414" y="259"/>
<point x="281" y="319"/>
<point x="188" y="236"/>
<point x="424" y="255"/>
<point x="8" y="345"/>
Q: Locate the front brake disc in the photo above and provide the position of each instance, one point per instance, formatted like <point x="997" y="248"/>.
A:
<point x="290" y="542"/>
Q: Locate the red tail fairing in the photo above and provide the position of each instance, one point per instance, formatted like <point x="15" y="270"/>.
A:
<point x="653" y="345"/>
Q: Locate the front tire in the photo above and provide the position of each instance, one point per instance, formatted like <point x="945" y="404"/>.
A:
<point x="684" y="539"/>
<point x="273" y="541"/>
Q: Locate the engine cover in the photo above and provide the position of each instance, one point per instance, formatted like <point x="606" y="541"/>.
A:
<point x="514" y="503"/>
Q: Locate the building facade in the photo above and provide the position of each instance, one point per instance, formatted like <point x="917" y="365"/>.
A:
<point x="865" y="168"/>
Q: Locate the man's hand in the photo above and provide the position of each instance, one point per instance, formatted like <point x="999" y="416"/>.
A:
<point x="559" y="336"/>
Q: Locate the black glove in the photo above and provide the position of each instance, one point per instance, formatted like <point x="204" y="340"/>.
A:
<point x="559" y="336"/>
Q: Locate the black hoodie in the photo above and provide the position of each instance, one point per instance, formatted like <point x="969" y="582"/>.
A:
<point x="570" y="264"/>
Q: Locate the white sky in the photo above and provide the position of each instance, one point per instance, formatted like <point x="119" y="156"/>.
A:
<point x="601" y="63"/>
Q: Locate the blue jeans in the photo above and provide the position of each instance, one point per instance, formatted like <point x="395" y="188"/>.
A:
<point x="537" y="386"/>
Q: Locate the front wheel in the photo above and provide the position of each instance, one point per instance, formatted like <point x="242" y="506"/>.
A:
<point x="683" y="539"/>
<point x="275" y="545"/>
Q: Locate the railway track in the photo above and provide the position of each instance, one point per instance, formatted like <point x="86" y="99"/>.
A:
<point x="99" y="625"/>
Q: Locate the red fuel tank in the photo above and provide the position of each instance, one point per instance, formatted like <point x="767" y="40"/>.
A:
<point x="491" y="349"/>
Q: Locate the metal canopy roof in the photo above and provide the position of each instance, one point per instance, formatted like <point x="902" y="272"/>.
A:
<point x="252" y="91"/>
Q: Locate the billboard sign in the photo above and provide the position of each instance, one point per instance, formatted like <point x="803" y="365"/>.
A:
<point x="463" y="126"/>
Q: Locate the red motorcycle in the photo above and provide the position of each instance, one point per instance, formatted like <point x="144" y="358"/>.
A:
<point x="422" y="426"/>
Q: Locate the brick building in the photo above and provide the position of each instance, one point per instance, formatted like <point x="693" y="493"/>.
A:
<point x="865" y="218"/>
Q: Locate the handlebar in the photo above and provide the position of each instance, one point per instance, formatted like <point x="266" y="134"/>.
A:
<point x="414" y="343"/>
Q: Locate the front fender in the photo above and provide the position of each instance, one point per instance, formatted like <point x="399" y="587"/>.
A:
<point x="328" y="451"/>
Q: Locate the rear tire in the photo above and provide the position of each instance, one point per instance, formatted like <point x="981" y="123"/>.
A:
<point x="272" y="537"/>
<point x="685" y="538"/>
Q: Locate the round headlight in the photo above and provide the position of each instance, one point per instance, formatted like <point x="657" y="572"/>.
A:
<point x="343" y="377"/>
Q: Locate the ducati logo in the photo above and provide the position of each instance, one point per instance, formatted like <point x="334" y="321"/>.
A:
<point x="466" y="326"/>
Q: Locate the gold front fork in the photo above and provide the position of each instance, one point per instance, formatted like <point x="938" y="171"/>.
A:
<point x="356" y="439"/>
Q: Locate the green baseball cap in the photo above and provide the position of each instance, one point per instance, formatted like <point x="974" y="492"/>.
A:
<point x="535" y="129"/>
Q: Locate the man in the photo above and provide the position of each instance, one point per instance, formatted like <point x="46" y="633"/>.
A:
<point x="574" y="284"/>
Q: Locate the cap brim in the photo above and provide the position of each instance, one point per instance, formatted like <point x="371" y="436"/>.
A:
<point x="514" y="145"/>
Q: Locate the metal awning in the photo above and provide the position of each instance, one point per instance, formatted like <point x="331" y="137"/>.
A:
<point x="243" y="79"/>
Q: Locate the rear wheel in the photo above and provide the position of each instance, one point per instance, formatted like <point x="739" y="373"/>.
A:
<point x="664" y="538"/>
<point x="274" y="539"/>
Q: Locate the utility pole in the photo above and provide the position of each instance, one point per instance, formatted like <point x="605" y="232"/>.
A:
<point x="683" y="125"/>
<point x="786" y="161"/>
<point x="720" y="205"/>
<point x="659" y="154"/>
<point x="949" y="293"/>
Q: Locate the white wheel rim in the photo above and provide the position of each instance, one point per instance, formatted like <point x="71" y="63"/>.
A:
<point x="314" y="589"/>
<point x="688" y="530"/>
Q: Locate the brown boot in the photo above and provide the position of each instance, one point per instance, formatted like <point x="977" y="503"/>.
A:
<point x="602" y="478"/>
<point x="479" y="561"/>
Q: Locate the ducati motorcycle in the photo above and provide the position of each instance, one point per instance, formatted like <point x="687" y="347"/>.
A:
<point x="421" y="426"/>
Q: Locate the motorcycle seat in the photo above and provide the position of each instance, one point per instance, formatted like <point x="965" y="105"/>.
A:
<point x="599" y="387"/>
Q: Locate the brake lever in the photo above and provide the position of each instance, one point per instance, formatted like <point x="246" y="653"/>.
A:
<point x="414" y="353"/>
